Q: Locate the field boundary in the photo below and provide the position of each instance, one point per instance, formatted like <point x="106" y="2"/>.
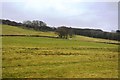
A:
<point x="31" y="36"/>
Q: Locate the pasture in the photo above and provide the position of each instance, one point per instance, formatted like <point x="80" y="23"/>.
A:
<point x="42" y="57"/>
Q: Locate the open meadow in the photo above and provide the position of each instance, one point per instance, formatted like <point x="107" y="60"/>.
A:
<point x="43" y="57"/>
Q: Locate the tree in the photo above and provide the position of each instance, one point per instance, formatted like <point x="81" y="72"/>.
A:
<point x="64" y="32"/>
<point x="70" y="32"/>
<point x="39" y="23"/>
<point x="34" y="24"/>
<point x="117" y="31"/>
<point x="28" y="24"/>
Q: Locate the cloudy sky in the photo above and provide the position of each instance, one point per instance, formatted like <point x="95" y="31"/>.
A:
<point x="71" y="13"/>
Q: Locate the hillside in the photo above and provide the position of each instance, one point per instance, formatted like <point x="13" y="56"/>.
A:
<point x="43" y="57"/>
<point x="42" y="26"/>
<point x="13" y="30"/>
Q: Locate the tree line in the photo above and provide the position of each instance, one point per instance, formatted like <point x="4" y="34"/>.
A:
<point x="35" y="24"/>
<point x="63" y="31"/>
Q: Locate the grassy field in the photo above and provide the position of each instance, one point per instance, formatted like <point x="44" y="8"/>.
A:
<point x="40" y="57"/>
<point x="12" y="30"/>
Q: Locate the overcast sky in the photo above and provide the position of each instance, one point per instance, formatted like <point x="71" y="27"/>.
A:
<point x="71" y="13"/>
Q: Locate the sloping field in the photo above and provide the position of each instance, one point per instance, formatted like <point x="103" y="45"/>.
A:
<point x="38" y="57"/>
<point x="12" y="30"/>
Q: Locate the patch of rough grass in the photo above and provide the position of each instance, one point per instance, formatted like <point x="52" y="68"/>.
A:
<point x="31" y="57"/>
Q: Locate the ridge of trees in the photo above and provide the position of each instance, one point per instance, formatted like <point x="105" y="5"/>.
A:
<point x="63" y="31"/>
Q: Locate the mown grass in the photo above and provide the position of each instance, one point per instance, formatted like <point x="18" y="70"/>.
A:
<point x="40" y="57"/>
<point x="35" y="57"/>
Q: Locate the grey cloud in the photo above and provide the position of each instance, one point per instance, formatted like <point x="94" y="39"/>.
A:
<point x="103" y="15"/>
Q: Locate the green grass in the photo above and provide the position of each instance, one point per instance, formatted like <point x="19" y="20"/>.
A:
<point x="35" y="57"/>
<point x="79" y="57"/>
<point x="13" y="30"/>
<point x="89" y="39"/>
